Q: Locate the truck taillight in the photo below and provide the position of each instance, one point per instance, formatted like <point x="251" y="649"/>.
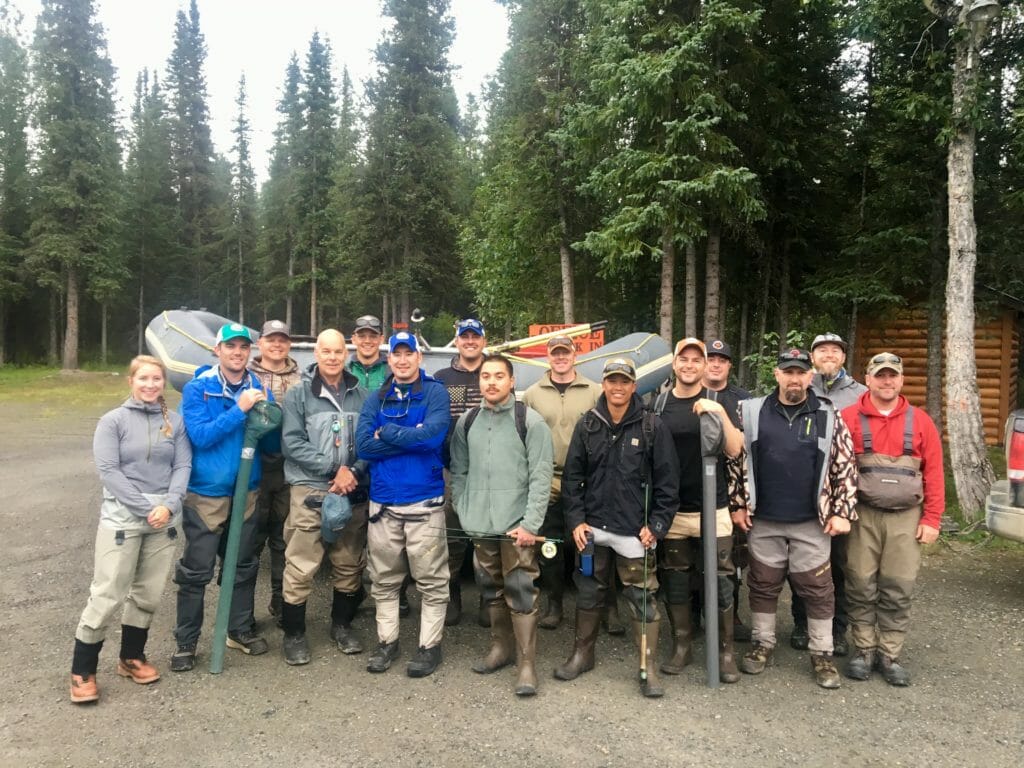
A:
<point x="1015" y="457"/>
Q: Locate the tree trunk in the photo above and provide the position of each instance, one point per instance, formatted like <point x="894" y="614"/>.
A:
<point x="566" y="260"/>
<point x="690" y="321"/>
<point x="851" y="340"/>
<point x="54" y="317"/>
<point x="103" y="333"/>
<point x="312" y="294"/>
<point x="385" y="313"/>
<point x="936" y="314"/>
<point x="241" y="283"/>
<point x="70" y="358"/>
<point x="288" y="298"/>
<point x="140" y="330"/>
<point x="784" y="297"/>
<point x="3" y="332"/>
<point x="744" y="344"/>
<point x="972" y="470"/>
<point x="668" y="278"/>
<point x="712" y="282"/>
<point x="762" y="324"/>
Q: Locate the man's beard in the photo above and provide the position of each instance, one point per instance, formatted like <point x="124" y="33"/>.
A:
<point x="794" y="396"/>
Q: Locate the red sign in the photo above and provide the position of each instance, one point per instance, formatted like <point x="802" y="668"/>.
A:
<point x="584" y="343"/>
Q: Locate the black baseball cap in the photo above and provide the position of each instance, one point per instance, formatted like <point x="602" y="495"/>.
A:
<point x="795" y="358"/>
<point x="719" y="347"/>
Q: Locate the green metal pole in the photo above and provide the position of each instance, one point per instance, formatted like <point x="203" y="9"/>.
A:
<point x="264" y="417"/>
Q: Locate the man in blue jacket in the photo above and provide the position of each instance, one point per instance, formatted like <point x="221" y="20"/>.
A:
<point x="214" y="406"/>
<point x="401" y="433"/>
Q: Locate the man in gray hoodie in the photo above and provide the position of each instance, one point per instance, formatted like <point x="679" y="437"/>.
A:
<point x="501" y="469"/>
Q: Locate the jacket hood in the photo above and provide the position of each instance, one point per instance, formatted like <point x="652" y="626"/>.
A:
<point x="290" y="367"/>
<point x="312" y="374"/>
<point x="137" y="405"/>
<point x="864" y="404"/>
<point x="634" y="411"/>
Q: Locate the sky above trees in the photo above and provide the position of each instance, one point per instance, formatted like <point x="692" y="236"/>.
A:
<point x="257" y="37"/>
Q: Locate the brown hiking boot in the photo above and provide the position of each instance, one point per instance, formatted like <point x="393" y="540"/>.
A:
<point x="84" y="689"/>
<point x="891" y="669"/>
<point x="825" y="673"/>
<point x="139" y="670"/>
<point x="501" y="651"/>
<point x="757" y="659"/>
<point x="682" y="635"/>
<point x="727" y="671"/>
<point x="525" y="629"/>
<point x="582" y="658"/>
<point x="650" y="683"/>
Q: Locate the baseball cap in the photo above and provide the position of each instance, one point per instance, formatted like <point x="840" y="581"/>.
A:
<point x="691" y="341"/>
<point x="469" y="324"/>
<point x="884" y="360"/>
<point x="561" y="342"/>
<point x="368" y="323"/>
<point x="620" y="365"/>
<point x="719" y="347"/>
<point x="275" y="326"/>
<point x="795" y="358"/>
<point x="230" y="331"/>
<point x="829" y="338"/>
<point x="400" y="338"/>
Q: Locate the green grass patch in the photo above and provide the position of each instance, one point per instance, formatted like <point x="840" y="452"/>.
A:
<point x="53" y="391"/>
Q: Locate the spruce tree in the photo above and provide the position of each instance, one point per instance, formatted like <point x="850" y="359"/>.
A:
<point x="244" y="199"/>
<point x="75" y="213"/>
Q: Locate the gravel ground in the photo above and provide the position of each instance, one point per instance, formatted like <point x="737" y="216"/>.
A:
<point x="966" y="653"/>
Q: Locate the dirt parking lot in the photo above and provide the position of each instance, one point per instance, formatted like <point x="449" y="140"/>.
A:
<point x="966" y="653"/>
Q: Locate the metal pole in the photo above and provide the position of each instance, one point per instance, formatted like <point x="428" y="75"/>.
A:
<point x="708" y="537"/>
<point x="264" y="417"/>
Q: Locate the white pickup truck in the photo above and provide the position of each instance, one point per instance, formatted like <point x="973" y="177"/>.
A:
<point x="1004" y="507"/>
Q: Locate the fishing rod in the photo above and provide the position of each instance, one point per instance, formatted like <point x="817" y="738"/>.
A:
<point x="548" y="548"/>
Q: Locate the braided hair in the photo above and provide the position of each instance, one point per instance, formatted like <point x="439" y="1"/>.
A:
<point x="133" y="368"/>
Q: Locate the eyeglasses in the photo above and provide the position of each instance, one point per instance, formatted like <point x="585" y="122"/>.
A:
<point x="399" y="411"/>
<point x="369" y="322"/>
<point x="469" y="325"/>
<point x="886" y="359"/>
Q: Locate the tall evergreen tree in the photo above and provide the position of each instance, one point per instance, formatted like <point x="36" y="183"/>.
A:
<point x="244" y="199"/>
<point x="75" y="214"/>
<point x="151" y="233"/>
<point x="315" y="169"/>
<point x="193" y="149"/>
<point x="14" y="176"/>
<point x="412" y="157"/>
<point x="278" y="210"/>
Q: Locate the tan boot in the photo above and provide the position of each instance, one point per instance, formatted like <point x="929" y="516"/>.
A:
<point x="728" y="672"/>
<point x="582" y="658"/>
<point x="84" y="689"/>
<point x="524" y="626"/>
<point x="501" y="652"/>
<point x="650" y="683"/>
<point x="681" y="619"/>
<point x="138" y="670"/>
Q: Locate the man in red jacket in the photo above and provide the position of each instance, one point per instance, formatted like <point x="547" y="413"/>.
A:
<point x="900" y="499"/>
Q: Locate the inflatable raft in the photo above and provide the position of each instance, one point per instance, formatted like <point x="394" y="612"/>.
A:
<point x="183" y="339"/>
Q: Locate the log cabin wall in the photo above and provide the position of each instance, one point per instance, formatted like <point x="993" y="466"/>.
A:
<point x="997" y="345"/>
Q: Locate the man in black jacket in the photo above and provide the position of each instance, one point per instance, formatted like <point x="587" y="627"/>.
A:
<point x="620" y="489"/>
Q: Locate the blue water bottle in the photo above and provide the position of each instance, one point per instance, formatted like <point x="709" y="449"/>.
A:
<point x="587" y="556"/>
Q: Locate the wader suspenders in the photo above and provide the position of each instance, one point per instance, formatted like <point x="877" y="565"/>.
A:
<point x="908" y="432"/>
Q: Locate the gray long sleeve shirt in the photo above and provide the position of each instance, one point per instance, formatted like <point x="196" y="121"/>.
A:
<point x="140" y="467"/>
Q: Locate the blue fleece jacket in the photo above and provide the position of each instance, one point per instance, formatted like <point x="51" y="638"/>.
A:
<point x="216" y="429"/>
<point x="401" y="435"/>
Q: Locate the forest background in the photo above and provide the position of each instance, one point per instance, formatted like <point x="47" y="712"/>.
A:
<point x="748" y="169"/>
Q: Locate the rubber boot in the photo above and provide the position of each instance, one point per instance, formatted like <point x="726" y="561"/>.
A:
<point x="453" y="613"/>
<point x="612" y="623"/>
<point x="276" y="598"/>
<point x="483" y="614"/>
<point x="343" y="611"/>
<point x="501" y="652"/>
<point x="294" y="645"/>
<point x="582" y="659"/>
<point x="554" y="584"/>
<point x="728" y="672"/>
<point x="84" y="660"/>
<point x="525" y="627"/>
<point x="650" y="683"/>
<point x="681" y="619"/>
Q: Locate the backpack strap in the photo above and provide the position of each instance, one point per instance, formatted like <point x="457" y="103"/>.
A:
<point x="520" y="416"/>
<point x="659" y="402"/>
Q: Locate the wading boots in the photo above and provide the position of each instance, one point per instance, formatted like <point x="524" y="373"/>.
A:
<point x="525" y="628"/>
<point x="582" y="658"/>
<point x="682" y="635"/>
<point x="501" y="652"/>
<point x="650" y="683"/>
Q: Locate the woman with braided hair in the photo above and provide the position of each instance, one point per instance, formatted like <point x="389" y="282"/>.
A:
<point x="144" y="458"/>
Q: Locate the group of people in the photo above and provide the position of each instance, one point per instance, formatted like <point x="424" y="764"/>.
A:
<point x="381" y="468"/>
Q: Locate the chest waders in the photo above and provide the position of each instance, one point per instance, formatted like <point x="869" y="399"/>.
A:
<point x="262" y="418"/>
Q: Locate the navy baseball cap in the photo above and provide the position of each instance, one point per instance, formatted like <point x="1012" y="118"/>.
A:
<point x="400" y="338"/>
<point x="470" y="324"/>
